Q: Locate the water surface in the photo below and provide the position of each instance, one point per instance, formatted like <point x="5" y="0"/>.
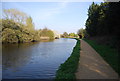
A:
<point x="38" y="60"/>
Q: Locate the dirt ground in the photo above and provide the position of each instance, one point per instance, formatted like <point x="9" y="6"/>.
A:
<point x="92" y="65"/>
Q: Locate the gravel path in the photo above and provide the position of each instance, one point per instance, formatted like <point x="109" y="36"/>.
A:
<point x="92" y="66"/>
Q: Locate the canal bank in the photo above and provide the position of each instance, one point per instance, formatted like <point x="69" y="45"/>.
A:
<point x="68" y="68"/>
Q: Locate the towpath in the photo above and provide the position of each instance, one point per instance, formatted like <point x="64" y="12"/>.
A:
<point x="92" y="65"/>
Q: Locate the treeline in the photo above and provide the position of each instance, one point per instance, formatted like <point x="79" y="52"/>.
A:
<point x="102" y="26"/>
<point x="18" y="27"/>
<point x="103" y="22"/>
<point x="69" y="35"/>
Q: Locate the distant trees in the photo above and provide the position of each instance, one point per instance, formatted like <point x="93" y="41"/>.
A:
<point x="65" y="35"/>
<point x="82" y="32"/>
<point x="18" y="27"/>
<point x="70" y="35"/>
<point x="46" y="33"/>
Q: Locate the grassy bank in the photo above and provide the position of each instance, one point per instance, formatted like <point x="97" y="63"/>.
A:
<point x="67" y="70"/>
<point x="110" y="55"/>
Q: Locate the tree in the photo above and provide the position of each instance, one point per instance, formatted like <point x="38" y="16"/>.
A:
<point x="46" y="33"/>
<point x="9" y="24"/>
<point x="82" y="32"/>
<point x="65" y="35"/>
<point x="29" y="23"/>
<point x="92" y="21"/>
<point x="71" y="34"/>
<point x="103" y="21"/>
<point x="15" y="15"/>
<point x="100" y="19"/>
<point x="17" y="27"/>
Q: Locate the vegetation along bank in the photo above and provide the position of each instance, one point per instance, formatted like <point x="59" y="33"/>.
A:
<point x="67" y="70"/>
<point x="18" y="27"/>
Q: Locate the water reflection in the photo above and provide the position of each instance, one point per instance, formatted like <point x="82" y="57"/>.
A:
<point x="15" y="55"/>
<point x="35" y="60"/>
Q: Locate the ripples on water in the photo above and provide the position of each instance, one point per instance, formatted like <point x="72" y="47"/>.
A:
<point x="38" y="60"/>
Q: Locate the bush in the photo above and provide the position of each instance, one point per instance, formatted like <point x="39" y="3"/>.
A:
<point x="12" y="33"/>
<point x="47" y="33"/>
<point x="9" y="36"/>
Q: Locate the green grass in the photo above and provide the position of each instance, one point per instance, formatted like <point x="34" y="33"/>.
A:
<point x="110" y="55"/>
<point x="66" y="71"/>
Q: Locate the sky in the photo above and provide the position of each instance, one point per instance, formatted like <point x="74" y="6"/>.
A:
<point x="58" y="16"/>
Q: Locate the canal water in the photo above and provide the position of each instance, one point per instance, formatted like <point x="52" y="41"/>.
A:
<point x="38" y="60"/>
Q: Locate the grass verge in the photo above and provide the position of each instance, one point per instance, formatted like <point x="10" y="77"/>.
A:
<point x="66" y="71"/>
<point x="110" y="55"/>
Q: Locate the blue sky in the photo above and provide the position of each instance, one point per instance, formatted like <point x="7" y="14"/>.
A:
<point x="59" y="16"/>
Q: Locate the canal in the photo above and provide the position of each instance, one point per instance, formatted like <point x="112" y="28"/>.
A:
<point x="38" y="60"/>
